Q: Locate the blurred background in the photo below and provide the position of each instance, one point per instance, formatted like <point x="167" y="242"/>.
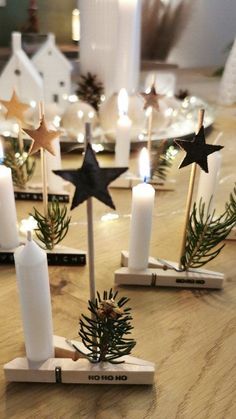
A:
<point x="188" y="33"/>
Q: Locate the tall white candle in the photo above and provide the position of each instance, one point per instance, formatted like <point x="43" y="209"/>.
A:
<point x="55" y="183"/>
<point x="98" y="40"/>
<point x="123" y="131"/>
<point x="208" y="181"/>
<point x="34" y="291"/>
<point x="8" y="221"/>
<point x="128" y="50"/>
<point x="143" y="196"/>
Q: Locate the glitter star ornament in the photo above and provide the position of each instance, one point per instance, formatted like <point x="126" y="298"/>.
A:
<point x="91" y="180"/>
<point x="152" y="99"/>
<point x="43" y="138"/>
<point x="15" y="108"/>
<point x="197" y="150"/>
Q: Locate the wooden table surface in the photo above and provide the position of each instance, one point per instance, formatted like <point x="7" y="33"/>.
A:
<point x="189" y="334"/>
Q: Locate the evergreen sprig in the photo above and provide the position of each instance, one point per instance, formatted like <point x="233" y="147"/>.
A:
<point x="52" y="229"/>
<point x="104" y="333"/>
<point x="162" y="161"/>
<point x="21" y="164"/>
<point x="205" y="233"/>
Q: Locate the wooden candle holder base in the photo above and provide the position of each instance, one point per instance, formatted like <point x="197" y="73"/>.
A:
<point x="129" y="181"/>
<point x="66" y="368"/>
<point x="165" y="275"/>
<point x="60" y="256"/>
<point x="232" y="234"/>
<point x="34" y="193"/>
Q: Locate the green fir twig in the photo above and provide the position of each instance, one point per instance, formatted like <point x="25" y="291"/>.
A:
<point x="21" y="164"/>
<point x="53" y="228"/>
<point x="104" y="333"/>
<point x="162" y="161"/>
<point x="205" y="234"/>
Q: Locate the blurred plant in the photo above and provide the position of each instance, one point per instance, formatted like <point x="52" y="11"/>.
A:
<point x="21" y="164"/>
<point x="162" y="160"/>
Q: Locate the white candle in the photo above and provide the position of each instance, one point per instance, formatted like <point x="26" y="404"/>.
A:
<point x="98" y="41"/>
<point x="75" y="25"/>
<point x="141" y="220"/>
<point x="8" y="221"/>
<point x="123" y="131"/>
<point x="128" y="50"/>
<point x="208" y="181"/>
<point x="55" y="183"/>
<point x="34" y="291"/>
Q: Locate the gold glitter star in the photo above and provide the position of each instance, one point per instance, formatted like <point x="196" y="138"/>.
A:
<point x="43" y="138"/>
<point x="15" y="108"/>
<point x="152" y="98"/>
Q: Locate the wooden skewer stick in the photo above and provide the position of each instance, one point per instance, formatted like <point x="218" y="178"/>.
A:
<point x="190" y="192"/>
<point x="44" y="169"/>
<point x="20" y="138"/>
<point x="149" y="114"/>
<point x="90" y="230"/>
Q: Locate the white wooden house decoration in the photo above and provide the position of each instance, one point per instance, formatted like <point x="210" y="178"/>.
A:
<point x="55" y="71"/>
<point x="20" y="75"/>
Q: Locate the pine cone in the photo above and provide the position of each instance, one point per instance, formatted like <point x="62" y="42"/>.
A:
<point x="90" y="90"/>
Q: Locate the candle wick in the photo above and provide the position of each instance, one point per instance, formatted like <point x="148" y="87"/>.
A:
<point x="29" y="235"/>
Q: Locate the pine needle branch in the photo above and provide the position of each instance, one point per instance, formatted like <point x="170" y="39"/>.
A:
<point x="21" y="164"/>
<point x="53" y="228"/>
<point x="162" y="161"/>
<point x="90" y="90"/>
<point x="104" y="335"/>
<point x="206" y="232"/>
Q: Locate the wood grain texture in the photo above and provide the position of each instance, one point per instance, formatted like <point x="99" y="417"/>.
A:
<point x="189" y="334"/>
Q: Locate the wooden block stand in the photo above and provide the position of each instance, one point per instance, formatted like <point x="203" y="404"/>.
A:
<point x="32" y="193"/>
<point x="128" y="181"/>
<point x="159" y="274"/>
<point x="59" y="256"/>
<point x="67" y="368"/>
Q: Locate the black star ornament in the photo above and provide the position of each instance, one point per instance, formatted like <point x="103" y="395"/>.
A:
<point x="197" y="150"/>
<point x="91" y="180"/>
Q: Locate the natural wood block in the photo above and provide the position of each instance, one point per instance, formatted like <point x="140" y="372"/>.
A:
<point x="82" y="371"/>
<point x="169" y="278"/>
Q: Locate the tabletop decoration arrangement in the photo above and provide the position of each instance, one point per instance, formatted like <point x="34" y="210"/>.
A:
<point x="104" y="347"/>
<point x="202" y="236"/>
<point x="53" y="224"/>
<point x="19" y="158"/>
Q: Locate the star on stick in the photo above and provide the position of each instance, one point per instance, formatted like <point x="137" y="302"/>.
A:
<point x="152" y="98"/>
<point x="197" y="150"/>
<point x="43" y="138"/>
<point x="91" y="180"/>
<point x="15" y="108"/>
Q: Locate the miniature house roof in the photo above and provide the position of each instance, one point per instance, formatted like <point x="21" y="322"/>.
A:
<point x="20" y="75"/>
<point x="50" y="48"/>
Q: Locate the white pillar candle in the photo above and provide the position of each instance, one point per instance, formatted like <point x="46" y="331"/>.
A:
<point x="128" y="50"/>
<point x="34" y="291"/>
<point x="143" y="196"/>
<point x="75" y="25"/>
<point x="98" y="41"/>
<point x="123" y="131"/>
<point x="8" y="221"/>
<point x="208" y="181"/>
<point x="55" y="183"/>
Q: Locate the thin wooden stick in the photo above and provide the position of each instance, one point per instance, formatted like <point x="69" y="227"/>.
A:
<point x="190" y="193"/>
<point x="149" y="133"/>
<point x="44" y="168"/>
<point x="92" y="285"/>
<point x="20" y="138"/>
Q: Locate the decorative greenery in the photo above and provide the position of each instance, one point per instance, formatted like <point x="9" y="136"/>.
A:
<point x="162" y="161"/>
<point x="21" y="164"/>
<point x="104" y="333"/>
<point x="206" y="232"/>
<point x="53" y="228"/>
<point x="90" y="90"/>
